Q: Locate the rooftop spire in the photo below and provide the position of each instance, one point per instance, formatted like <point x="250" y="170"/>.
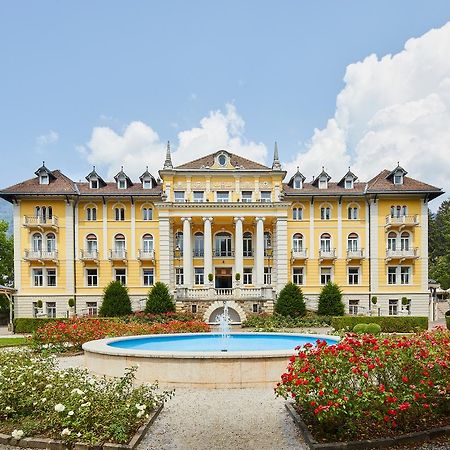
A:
<point x="276" y="165"/>
<point x="168" y="161"/>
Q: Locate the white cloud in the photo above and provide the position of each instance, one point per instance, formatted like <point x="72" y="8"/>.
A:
<point x="139" y="145"/>
<point x="50" y="138"/>
<point x="396" y="108"/>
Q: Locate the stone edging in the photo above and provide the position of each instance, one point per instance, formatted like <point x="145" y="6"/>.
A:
<point x="384" y="442"/>
<point x="54" y="444"/>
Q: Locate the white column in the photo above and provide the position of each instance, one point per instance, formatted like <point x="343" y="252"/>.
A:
<point x="105" y="231"/>
<point x="70" y="256"/>
<point x="311" y="231"/>
<point x="239" y="246"/>
<point x="339" y="224"/>
<point x="423" y="249"/>
<point x="259" y="259"/>
<point x="17" y="255"/>
<point x="281" y="260"/>
<point x="132" y="250"/>
<point x="207" y="221"/>
<point x="374" y="269"/>
<point x="187" y="251"/>
<point x="165" y="259"/>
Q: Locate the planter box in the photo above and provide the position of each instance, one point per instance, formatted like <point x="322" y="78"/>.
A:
<point x="54" y="444"/>
<point x="384" y="442"/>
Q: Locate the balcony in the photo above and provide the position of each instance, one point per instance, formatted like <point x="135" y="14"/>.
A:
<point x="299" y="254"/>
<point x="211" y="293"/>
<point x="40" y="222"/>
<point x="248" y="253"/>
<point x="118" y="255"/>
<point x="41" y="255"/>
<point x="198" y="253"/>
<point x="402" y="221"/>
<point x="355" y="254"/>
<point x="146" y="255"/>
<point x="327" y="255"/>
<point x="223" y="253"/>
<point x="89" y="255"/>
<point x="411" y="253"/>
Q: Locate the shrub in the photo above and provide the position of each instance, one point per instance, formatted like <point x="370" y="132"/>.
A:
<point x="290" y="302"/>
<point x="31" y="324"/>
<point x="116" y="301"/>
<point x="43" y="401"/>
<point x="373" y="328"/>
<point x="374" y="300"/>
<point x="210" y="277"/>
<point x="71" y="302"/>
<point x="360" y="328"/>
<point x="143" y="317"/>
<point x="269" y="322"/>
<point x="237" y="276"/>
<point x="388" y="324"/>
<point x="367" y="386"/>
<point x="330" y="301"/>
<point x="447" y="319"/>
<point x="39" y="304"/>
<point x="159" y="300"/>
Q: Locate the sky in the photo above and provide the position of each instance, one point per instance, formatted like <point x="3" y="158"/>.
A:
<point x="335" y="83"/>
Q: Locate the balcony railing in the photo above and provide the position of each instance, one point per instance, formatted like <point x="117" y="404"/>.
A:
<point x="327" y="254"/>
<point x="402" y="221"/>
<point x="248" y="253"/>
<point x="224" y="292"/>
<point x="41" y="255"/>
<point x="410" y="253"/>
<point x="118" y="255"/>
<point x="211" y="293"/>
<point x="198" y="253"/>
<point x="146" y="255"/>
<point x="223" y="253"/>
<point x="40" y="222"/>
<point x="89" y="255"/>
<point x="300" y="253"/>
<point x="355" y="254"/>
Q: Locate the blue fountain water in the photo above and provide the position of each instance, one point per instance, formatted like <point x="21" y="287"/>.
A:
<point x="214" y="342"/>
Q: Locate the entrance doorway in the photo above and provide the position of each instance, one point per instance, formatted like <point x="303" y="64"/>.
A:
<point x="223" y="278"/>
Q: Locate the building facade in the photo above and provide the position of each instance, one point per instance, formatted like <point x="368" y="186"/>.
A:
<point x="219" y="228"/>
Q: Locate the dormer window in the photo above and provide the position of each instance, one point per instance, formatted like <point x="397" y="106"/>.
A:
<point x="121" y="183"/>
<point x="95" y="180"/>
<point x="398" y="178"/>
<point x="43" y="179"/>
<point x="94" y="183"/>
<point x="147" y="183"/>
<point x="298" y="183"/>
<point x="323" y="183"/>
<point x="349" y="183"/>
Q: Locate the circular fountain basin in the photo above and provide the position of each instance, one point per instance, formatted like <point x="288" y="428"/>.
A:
<point x="199" y="359"/>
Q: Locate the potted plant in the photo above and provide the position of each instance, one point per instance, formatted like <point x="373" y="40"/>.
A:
<point x="40" y="309"/>
<point x="237" y="277"/>
<point x="210" y="277"/>
<point x="374" y="300"/>
<point x="71" y="303"/>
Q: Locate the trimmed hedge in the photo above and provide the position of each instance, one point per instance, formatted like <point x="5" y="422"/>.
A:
<point x="447" y="319"/>
<point x="388" y="324"/>
<point x="31" y="324"/>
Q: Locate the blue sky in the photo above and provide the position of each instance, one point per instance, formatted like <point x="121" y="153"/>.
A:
<point x="68" y="67"/>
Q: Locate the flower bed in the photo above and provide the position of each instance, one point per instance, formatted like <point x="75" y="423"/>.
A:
<point x="368" y="386"/>
<point x="273" y="322"/>
<point x="38" y="400"/>
<point x="72" y="334"/>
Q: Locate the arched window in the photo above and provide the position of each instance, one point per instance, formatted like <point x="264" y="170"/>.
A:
<point x="199" y="245"/>
<point x="91" y="213"/>
<point x="325" y="242"/>
<point x="392" y="241"/>
<point x="147" y="214"/>
<point x="91" y="243"/>
<point x="297" y="213"/>
<point x="179" y="242"/>
<point x="119" y="242"/>
<point x="297" y="242"/>
<point x="222" y="243"/>
<point x="325" y="213"/>
<point x="247" y="244"/>
<point x="147" y="243"/>
<point x="37" y="242"/>
<point x="404" y="210"/>
<point x="119" y="213"/>
<point x="51" y="242"/>
<point x="267" y="240"/>
<point x="353" y="242"/>
<point x="405" y="241"/>
<point x="50" y="212"/>
<point x="398" y="211"/>
<point x="37" y="211"/>
<point x="352" y="212"/>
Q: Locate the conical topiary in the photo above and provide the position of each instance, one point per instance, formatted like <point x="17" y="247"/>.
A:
<point x="290" y="302"/>
<point x="116" y="301"/>
<point x="330" y="301"/>
<point x="159" y="300"/>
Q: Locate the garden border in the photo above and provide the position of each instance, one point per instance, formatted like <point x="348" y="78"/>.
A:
<point x="385" y="442"/>
<point x="55" y="444"/>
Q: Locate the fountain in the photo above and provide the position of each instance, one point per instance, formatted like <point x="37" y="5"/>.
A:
<point x="224" y="326"/>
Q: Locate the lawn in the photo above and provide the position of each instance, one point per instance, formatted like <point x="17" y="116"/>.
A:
<point x="12" y="341"/>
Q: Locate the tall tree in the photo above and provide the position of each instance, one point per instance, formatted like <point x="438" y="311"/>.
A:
<point x="6" y="255"/>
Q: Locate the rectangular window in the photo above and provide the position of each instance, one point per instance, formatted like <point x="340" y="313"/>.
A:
<point x="51" y="277"/>
<point x="121" y="275"/>
<point x="51" y="309"/>
<point x="38" y="277"/>
<point x="246" y="196"/>
<point x="297" y="214"/>
<point x="147" y="184"/>
<point x="194" y="309"/>
<point x="392" y="275"/>
<point x="92" y="277"/>
<point x="323" y="183"/>
<point x="325" y="213"/>
<point x="297" y="275"/>
<point x="353" y="307"/>
<point x="94" y="184"/>
<point x="147" y="214"/>
<point x="325" y="275"/>
<point x="92" y="308"/>
<point x="199" y="275"/>
<point x="223" y="196"/>
<point x="255" y="308"/>
<point x="148" y="276"/>
<point x="179" y="278"/>
<point x="179" y="196"/>
<point x="393" y="307"/>
<point x="35" y="309"/>
<point x="267" y="275"/>
<point x="198" y="196"/>
<point x="266" y="196"/>
<point x="247" y="277"/>
<point x="120" y="213"/>
<point x="405" y="275"/>
<point x="353" y="275"/>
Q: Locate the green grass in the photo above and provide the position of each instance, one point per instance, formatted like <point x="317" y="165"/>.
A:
<point x="12" y="341"/>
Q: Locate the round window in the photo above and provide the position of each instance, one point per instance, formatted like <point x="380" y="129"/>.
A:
<point x="222" y="160"/>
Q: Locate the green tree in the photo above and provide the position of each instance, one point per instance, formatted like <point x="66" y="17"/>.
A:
<point x="330" y="301"/>
<point x="290" y="302"/>
<point x="159" y="300"/>
<point x="116" y="301"/>
<point x="6" y="264"/>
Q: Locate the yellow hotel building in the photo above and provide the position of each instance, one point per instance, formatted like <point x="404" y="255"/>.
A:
<point x="206" y="221"/>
